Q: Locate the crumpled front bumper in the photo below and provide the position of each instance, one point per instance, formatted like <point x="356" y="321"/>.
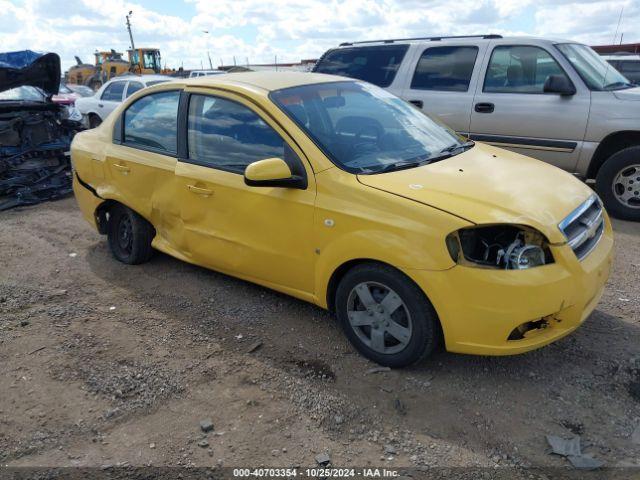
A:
<point x="479" y="308"/>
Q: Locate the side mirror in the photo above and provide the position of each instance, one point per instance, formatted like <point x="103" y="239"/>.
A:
<point x="272" y="172"/>
<point x="559" y="84"/>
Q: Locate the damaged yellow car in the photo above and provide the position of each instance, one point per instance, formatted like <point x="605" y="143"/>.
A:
<point x="341" y="194"/>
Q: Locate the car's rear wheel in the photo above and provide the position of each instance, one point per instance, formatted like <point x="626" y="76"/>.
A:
<point x="385" y="315"/>
<point x="618" y="183"/>
<point x="94" y="120"/>
<point x="129" y="236"/>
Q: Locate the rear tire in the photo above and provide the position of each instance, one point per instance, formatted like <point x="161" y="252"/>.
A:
<point x="94" y="120"/>
<point x="618" y="184"/>
<point x="129" y="236"/>
<point x="386" y="316"/>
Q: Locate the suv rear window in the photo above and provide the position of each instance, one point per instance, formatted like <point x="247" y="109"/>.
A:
<point x="377" y="65"/>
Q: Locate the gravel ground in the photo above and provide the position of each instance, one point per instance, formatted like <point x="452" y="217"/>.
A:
<point x="107" y="364"/>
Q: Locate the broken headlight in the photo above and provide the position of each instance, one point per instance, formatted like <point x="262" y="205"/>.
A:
<point x="509" y="247"/>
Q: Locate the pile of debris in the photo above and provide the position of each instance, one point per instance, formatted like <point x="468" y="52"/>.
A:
<point x="35" y="133"/>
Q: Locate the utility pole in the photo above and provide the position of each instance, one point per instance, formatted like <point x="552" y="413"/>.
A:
<point x="133" y="47"/>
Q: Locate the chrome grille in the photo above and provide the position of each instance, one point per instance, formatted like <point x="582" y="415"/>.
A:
<point x="584" y="226"/>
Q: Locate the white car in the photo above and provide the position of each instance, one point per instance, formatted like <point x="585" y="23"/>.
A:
<point x="204" y="73"/>
<point x="96" y="108"/>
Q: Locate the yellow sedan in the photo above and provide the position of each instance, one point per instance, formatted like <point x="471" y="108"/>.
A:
<point x="338" y="193"/>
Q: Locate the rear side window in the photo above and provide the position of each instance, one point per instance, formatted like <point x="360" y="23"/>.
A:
<point x="227" y="135"/>
<point x="445" y="68"/>
<point x="152" y="122"/>
<point x="629" y="66"/>
<point x="377" y="65"/>
<point x="519" y="69"/>
<point x="113" y="92"/>
<point x="133" y="88"/>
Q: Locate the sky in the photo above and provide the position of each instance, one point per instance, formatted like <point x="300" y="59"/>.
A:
<point x="291" y="30"/>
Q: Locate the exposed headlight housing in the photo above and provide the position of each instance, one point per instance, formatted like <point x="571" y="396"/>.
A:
<point x="509" y="247"/>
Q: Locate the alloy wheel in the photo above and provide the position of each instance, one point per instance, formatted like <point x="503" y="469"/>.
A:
<point x="379" y="317"/>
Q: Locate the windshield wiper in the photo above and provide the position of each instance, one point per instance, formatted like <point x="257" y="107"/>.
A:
<point x="617" y="86"/>
<point x="392" y="167"/>
<point x="464" y="146"/>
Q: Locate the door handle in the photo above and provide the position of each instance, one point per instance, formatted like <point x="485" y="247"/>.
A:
<point x="484" y="107"/>
<point x="417" y="103"/>
<point x="121" y="168"/>
<point x="200" y="191"/>
<point x="100" y="105"/>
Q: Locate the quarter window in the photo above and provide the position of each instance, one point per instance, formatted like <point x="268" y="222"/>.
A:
<point x="377" y="65"/>
<point x="113" y="92"/>
<point x="445" y="68"/>
<point x="519" y="69"/>
<point x="227" y="135"/>
<point x="152" y="122"/>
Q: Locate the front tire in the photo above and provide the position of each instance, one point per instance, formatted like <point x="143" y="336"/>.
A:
<point x="618" y="184"/>
<point x="129" y="236"/>
<point x="385" y="316"/>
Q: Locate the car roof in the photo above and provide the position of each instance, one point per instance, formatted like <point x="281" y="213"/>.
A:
<point x="264" y="80"/>
<point x="140" y="78"/>
<point x="471" y="39"/>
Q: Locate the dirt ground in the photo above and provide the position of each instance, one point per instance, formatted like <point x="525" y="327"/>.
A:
<point x="107" y="364"/>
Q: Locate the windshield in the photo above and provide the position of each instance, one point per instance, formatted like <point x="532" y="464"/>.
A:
<point x="596" y="73"/>
<point x="365" y="129"/>
<point x="25" y="93"/>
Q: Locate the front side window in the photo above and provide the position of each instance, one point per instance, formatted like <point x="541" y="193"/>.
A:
<point x="227" y="135"/>
<point x="596" y="73"/>
<point x="113" y="92"/>
<point x="377" y="65"/>
<point x="133" y="88"/>
<point x="519" y="69"/>
<point x="365" y="129"/>
<point x="445" y="69"/>
<point x="152" y="122"/>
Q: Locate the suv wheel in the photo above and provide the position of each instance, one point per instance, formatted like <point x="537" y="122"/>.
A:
<point x="386" y="317"/>
<point x="618" y="183"/>
<point x="129" y="236"/>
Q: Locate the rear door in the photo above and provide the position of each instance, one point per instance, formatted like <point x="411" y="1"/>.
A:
<point x="142" y="160"/>
<point x="511" y="109"/>
<point x="111" y="97"/>
<point x="441" y="81"/>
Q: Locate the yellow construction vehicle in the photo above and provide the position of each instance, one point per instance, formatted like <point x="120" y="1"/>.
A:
<point x="108" y="64"/>
<point x="144" y="61"/>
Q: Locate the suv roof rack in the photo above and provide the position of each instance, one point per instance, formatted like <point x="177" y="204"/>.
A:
<point x="432" y="39"/>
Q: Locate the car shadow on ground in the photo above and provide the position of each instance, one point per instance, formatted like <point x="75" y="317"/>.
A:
<point x="582" y="384"/>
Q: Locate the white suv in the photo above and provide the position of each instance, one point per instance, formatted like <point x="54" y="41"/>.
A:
<point x="554" y="100"/>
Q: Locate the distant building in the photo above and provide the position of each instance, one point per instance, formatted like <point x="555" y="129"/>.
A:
<point x="610" y="49"/>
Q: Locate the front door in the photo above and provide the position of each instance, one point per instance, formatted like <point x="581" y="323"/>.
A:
<point x="511" y="109"/>
<point x="262" y="234"/>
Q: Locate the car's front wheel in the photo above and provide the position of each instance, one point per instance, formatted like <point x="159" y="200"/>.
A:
<point x="385" y="315"/>
<point x="129" y="235"/>
<point x="618" y="183"/>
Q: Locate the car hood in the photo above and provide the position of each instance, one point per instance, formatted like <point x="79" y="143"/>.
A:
<point x="632" y="94"/>
<point x="30" y="68"/>
<point x="486" y="185"/>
